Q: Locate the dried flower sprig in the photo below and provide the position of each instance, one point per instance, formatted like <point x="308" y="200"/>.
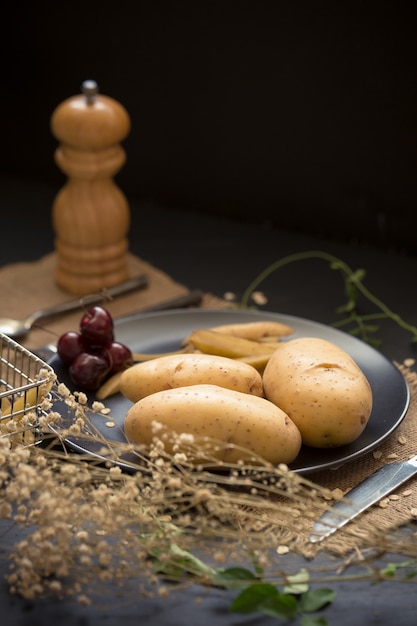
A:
<point x="87" y="523"/>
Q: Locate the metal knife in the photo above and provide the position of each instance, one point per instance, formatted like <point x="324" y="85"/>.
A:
<point x="358" y="499"/>
<point x="190" y="299"/>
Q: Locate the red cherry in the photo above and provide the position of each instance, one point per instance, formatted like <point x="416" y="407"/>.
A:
<point x="96" y="327"/>
<point x="120" y="356"/>
<point x="89" y="370"/>
<point x="69" y="346"/>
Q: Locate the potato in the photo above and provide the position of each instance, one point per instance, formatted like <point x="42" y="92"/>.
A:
<point x="178" y="370"/>
<point x="321" y="388"/>
<point x="231" y="425"/>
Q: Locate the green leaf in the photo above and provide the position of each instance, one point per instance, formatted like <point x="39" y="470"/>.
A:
<point x="308" y="620"/>
<point x="251" y="598"/>
<point x="265" y="598"/>
<point x="298" y="583"/>
<point x="176" y="561"/>
<point x="281" y="605"/>
<point x="358" y="276"/>
<point x="190" y="562"/>
<point x="316" y="599"/>
<point x="336" y="265"/>
<point x="391" y="569"/>
<point x="166" y="567"/>
<point x="233" y="577"/>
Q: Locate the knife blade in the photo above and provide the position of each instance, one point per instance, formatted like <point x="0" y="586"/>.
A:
<point x="368" y="492"/>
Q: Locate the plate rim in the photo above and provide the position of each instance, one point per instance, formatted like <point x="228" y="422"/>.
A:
<point x="127" y="321"/>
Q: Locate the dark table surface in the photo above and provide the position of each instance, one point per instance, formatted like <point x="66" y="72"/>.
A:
<point x="220" y="256"/>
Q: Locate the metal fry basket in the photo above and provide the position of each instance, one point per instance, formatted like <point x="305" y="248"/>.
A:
<point x="23" y="380"/>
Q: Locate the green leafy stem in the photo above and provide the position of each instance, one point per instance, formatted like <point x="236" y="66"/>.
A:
<point x="293" y="598"/>
<point x="254" y="595"/>
<point x="354" y="286"/>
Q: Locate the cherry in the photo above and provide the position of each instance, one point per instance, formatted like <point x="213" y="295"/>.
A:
<point x="120" y="356"/>
<point x="96" y="327"/>
<point x="89" y="370"/>
<point x="92" y="354"/>
<point x="69" y="346"/>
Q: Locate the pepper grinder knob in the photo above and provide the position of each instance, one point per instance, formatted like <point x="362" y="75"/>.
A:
<point x="90" y="214"/>
<point x="90" y="90"/>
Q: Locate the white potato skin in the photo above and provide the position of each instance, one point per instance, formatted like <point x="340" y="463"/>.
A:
<point x="179" y="370"/>
<point x="231" y="425"/>
<point x="321" y="388"/>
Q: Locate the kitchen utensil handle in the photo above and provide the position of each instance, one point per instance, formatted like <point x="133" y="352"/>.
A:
<point x="138" y="282"/>
<point x="192" y="298"/>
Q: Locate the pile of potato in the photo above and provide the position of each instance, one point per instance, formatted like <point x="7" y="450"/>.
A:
<point x="243" y="386"/>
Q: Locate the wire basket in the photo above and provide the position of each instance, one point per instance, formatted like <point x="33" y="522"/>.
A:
<point x="24" y="380"/>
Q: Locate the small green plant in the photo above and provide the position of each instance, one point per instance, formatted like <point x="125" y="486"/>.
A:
<point x="361" y="325"/>
<point x="294" y="599"/>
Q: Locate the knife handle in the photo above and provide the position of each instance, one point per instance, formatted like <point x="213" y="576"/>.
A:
<point x="139" y="282"/>
<point x="192" y="298"/>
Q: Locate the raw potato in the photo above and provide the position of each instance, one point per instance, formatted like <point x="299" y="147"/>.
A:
<point x="212" y="414"/>
<point x="321" y="388"/>
<point x="179" y="370"/>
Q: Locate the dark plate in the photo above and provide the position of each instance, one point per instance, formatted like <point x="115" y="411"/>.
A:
<point x="164" y="331"/>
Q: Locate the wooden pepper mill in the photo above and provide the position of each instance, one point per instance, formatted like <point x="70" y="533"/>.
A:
<point x="90" y="214"/>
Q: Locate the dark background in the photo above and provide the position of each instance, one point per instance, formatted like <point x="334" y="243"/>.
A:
<point x="249" y="120"/>
<point x="297" y="115"/>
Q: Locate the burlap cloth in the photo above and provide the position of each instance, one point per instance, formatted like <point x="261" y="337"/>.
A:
<point x="398" y="508"/>
<point x="26" y="287"/>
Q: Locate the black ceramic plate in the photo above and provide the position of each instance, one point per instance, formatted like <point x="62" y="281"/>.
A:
<point x="164" y="331"/>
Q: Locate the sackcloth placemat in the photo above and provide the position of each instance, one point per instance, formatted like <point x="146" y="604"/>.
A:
<point x="398" y="508"/>
<point x="30" y="286"/>
<point x="290" y="515"/>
